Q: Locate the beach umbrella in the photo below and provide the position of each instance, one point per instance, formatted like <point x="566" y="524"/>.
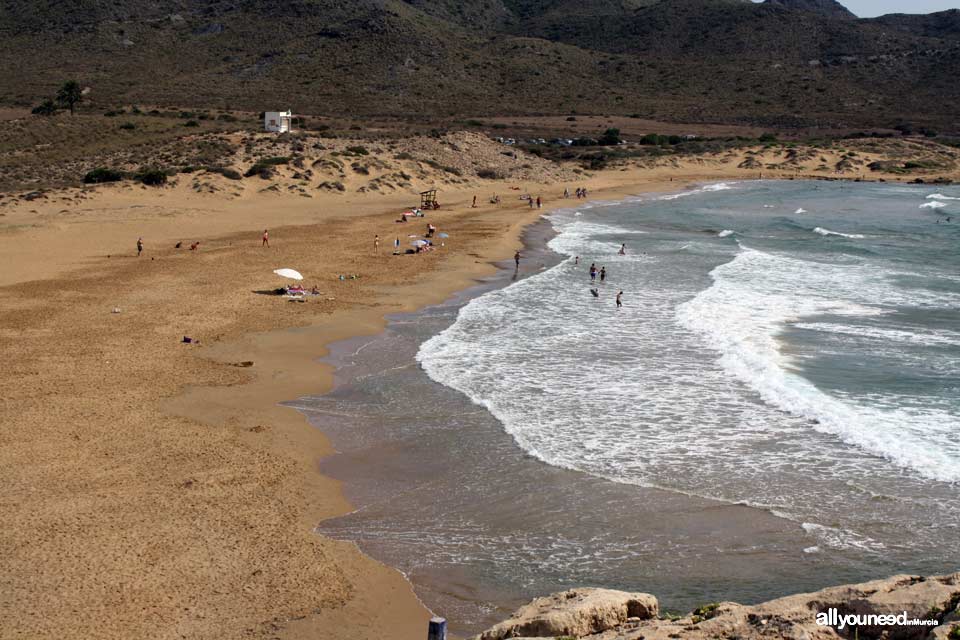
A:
<point x="419" y="243"/>
<point x="444" y="235"/>
<point x="288" y="273"/>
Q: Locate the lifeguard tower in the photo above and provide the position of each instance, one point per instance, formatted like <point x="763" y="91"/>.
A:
<point x="428" y="200"/>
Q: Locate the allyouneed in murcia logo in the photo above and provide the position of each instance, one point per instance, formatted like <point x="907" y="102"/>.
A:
<point x="833" y="618"/>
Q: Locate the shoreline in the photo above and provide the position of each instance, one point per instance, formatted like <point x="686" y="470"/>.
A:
<point x="210" y="402"/>
<point x="238" y="486"/>
<point x="342" y="359"/>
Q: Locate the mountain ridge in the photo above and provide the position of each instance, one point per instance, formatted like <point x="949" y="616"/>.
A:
<point x="778" y="63"/>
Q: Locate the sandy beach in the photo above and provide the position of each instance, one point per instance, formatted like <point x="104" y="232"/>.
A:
<point x="156" y="488"/>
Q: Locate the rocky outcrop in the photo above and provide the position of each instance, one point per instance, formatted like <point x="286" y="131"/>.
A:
<point x="578" y="612"/>
<point x="598" y="614"/>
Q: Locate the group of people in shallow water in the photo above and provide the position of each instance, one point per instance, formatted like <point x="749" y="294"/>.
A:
<point x="594" y="274"/>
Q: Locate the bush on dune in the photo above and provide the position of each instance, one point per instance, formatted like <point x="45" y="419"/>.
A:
<point x="101" y="175"/>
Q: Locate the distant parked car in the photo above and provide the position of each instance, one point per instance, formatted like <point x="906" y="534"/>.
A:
<point x="509" y="141"/>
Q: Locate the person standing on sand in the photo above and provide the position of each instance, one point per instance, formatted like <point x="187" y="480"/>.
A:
<point x="539" y="204"/>
<point x="139" y="246"/>
<point x="266" y="239"/>
<point x="593" y="272"/>
<point x="376" y="244"/>
<point x="603" y="274"/>
<point x="516" y="259"/>
<point x="619" y="301"/>
<point x="396" y="244"/>
<point x="474" y="205"/>
<point x="566" y="193"/>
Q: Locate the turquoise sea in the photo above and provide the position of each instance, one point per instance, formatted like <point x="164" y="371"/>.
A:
<point x="775" y="408"/>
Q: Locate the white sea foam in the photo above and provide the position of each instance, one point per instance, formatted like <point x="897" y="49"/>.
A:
<point x="933" y="205"/>
<point x="800" y="210"/>
<point x="940" y="196"/>
<point x="827" y="232"/>
<point x="719" y="186"/>
<point x="686" y="388"/>
<point x="836" y="538"/>
<point x="754" y="296"/>
<point x="944" y="338"/>
<point x="725" y="233"/>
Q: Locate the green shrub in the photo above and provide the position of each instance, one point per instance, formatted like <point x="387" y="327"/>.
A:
<point x="152" y="177"/>
<point x="46" y="108"/>
<point x="358" y="151"/>
<point x="261" y="170"/>
<point x="129" y="126"/>
<point x="610" y="137"/>
<point x="191" y="123"/>
<point x="226" y="172"/>
<point x="707" y="611"/>
<point x="102" y="174"/>
<point x="274" y="160"/>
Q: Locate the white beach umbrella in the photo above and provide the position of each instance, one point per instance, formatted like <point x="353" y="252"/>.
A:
<point x="419" y="243"/>
<point x="288" y="273"/>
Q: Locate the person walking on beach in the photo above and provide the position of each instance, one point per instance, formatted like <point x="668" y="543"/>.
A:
<point x="376" y="244"/>
<point x="539" y="204"/>
<point x="139" y="246"/>
<point x="396" y="244"/>
<point x="516" y="259"/>
<point x="266" y="239"/>
<point x="619" y="301"/>
<point x="603" y="274"/>
<point x="566" y="193"/>
<point x="593" y="272"/>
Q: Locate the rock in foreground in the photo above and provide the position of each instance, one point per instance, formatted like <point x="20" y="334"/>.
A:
<point x="578" y="612"/>
<point x="602" y="614"/>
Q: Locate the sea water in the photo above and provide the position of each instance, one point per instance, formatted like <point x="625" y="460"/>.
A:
<point x="775" y="407"/>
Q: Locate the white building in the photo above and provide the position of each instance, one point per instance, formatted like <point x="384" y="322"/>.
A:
<point x="278" y="121"/>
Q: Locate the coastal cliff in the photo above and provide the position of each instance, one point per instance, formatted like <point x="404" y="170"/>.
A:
<point x="603" y="614"/>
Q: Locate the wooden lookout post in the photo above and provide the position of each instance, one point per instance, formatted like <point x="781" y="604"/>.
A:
<point x="428" y="200"/>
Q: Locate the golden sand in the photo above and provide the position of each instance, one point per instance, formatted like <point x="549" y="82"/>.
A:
<point x="155" y="489"/>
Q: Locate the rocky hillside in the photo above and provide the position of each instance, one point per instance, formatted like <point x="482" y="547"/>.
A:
<point x="776" y="63"/>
